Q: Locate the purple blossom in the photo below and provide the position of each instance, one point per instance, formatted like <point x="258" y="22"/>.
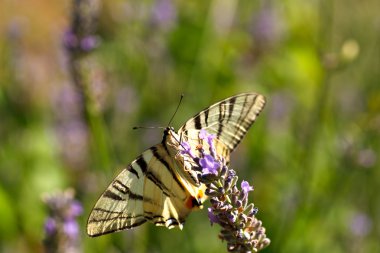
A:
<point x="71" y="228"/>
<point x="266" y="26"/>
<point x="75" y="209"/>
<point x="70" y="40"/>
<point x="212" y="217"/>
<point x="186" y="149"/>
<point x="164" y="14"/>
<point x="246" y="187"/>
<point x="204" y="135"/>
<point x="209" y="165"/>
<point x="50" y="226"/>
<point x="73" y="41"/>
<point x="88" y="43"/>
<point x="361" y="224"/>
<point x="232" y="217"/>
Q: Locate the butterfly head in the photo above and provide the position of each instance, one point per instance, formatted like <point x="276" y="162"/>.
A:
<point x="168" y="130"/>
<point x="171" y="137"/>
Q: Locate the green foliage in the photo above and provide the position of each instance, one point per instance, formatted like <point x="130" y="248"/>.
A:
<point x="311" y="155"/>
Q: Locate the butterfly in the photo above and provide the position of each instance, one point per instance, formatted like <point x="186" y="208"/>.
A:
<point x="159" y="185"/>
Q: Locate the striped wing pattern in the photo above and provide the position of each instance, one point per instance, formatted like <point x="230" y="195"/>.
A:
<point x="228" y="119"/>
<point x="158" y="186"/>
<point x="149" y="189"/>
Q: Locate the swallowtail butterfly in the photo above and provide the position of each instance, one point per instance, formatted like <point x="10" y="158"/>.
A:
<point x="159" y="185"/>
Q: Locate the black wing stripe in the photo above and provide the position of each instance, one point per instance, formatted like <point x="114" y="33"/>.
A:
<point x="197" y="122"/>
<point x="118" y="185"/>
<point x="239" y="133"/>
<point x="133" y="171"/>
<point x="152" y="177"/>
<point x="167" y="166"/>
<point x="102" y="210"/>
<point x="231" y="108"/>
<point x="206" y="117"/>
<point x="221" y="118"/>
<point x="118" y="218"/>
<point x="142" y="164"/>
<point x="111" y="195"/>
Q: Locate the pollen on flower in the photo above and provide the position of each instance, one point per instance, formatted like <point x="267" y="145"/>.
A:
<point x="201" y="194"/>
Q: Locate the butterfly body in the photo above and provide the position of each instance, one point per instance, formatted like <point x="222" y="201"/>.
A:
<point x="161" y="185"/>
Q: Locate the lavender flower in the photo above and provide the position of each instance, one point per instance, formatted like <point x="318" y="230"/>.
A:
<point x="242" y="231"/>
<point x="61" y="227"/>
<point x="209" y="165"/>
<point x="80" y="36"/>
<point x="89" y="43"/>
<point x="50" y="226"/>
<point x="186" y="149"/>
<point x="164" y="14"/>
<point x="203" y="135"/>
<point x="361" y="225"/>
<point x="212" y="217"/>
<point x="70" y="40"/>
<point x="79" y="43"/>
<point x="246" y="187"/>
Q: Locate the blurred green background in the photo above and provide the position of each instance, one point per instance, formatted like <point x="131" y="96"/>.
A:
<point x="312" y="155"/>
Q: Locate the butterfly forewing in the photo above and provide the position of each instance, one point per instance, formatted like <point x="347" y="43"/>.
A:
<point x="228" y="119"/>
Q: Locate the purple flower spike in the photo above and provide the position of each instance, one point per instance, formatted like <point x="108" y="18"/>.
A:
<point x="61" y="226"/>
<point x="240" y="228"/>
<point x="209" y="165"/>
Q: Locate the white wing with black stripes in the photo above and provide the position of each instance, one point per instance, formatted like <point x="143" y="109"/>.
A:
<point x="149" y="189"/>
<point x="159" y="186"/>
<point x="228" y="119"/>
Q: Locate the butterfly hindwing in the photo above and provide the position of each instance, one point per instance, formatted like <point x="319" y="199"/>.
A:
<point x="149" y="189"/>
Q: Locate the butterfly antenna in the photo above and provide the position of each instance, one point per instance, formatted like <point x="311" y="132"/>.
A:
<point x="145" y="127"/>
<point x="179" y="103"/>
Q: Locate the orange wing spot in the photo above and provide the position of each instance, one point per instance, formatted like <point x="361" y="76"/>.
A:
<point x="195" y="203"/>
<point x="190" y="202"/>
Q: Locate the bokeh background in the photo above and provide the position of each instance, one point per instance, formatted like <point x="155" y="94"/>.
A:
<point x="74" y="81"/>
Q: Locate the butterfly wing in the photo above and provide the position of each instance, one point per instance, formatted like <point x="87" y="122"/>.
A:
<point x="228" y="119"/>
<point x="157" y="186"/>
<point x="149" y="189"/>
